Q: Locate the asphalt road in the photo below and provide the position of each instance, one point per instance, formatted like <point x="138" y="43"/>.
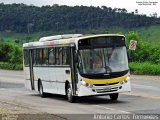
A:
<point x="144" y="99"/>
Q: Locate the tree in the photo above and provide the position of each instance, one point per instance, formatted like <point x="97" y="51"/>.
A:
<point x="26" y="19"/>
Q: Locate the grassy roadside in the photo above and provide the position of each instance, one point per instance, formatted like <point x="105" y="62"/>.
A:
<point x="149" y="33"/>
<point x="145" y="68"/>
<point x="10" y="66"/>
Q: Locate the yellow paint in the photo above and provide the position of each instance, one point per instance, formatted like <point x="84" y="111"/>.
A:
<point x="105" y="81"/>
<point x="99" y="35"/>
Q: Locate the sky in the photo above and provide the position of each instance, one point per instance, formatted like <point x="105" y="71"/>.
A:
<point x="144" y="6"/>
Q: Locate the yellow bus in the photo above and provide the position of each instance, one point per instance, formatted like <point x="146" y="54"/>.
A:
<point x="77" y="65"/>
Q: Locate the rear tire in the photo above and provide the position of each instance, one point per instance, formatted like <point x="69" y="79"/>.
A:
<point x="114" y="96"/>
<point x="69" y="94"/>
<point x="42" y="94"/>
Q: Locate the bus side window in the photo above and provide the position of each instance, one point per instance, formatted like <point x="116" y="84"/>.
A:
<point x="51" y="56"/>
<point x="26" y="57"/>
<point x="34" y="56"/>
<point x="39" y="56"/>
<point x="66" y="56"/>
<point x="57" y="56"/>
<point x="60" y="56"/>
<point x="45" y="56"/>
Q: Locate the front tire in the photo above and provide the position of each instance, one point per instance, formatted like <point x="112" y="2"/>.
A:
<point x="42" y="94"/>
<point x="114" y="96"/>
<point x="69" y="94"/>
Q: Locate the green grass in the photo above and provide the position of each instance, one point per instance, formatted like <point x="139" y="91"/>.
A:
<point x="145" y="68"/>
<point x="10" y="66"/>
<point x="11" y="37"/>
<point x="150" y="33"/>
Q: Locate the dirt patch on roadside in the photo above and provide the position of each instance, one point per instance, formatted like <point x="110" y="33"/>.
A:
<point x="15" y="112"/>
<point x="8" y="108"/>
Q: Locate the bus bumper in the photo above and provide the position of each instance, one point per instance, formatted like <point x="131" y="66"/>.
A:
<point x="123" y="86"/>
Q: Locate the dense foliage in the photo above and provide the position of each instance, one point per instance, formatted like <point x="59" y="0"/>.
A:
<point x="23" y="18"/>
<point x="145" y="52"/>
<point x="10" y="53"/>
<point x="10" y="56"/>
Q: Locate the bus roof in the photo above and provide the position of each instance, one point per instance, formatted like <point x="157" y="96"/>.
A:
<point x="62" y="39"/>
<point x="58" y="37"/>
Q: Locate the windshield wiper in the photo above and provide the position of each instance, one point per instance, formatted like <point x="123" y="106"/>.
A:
<point x="108" y="69"/>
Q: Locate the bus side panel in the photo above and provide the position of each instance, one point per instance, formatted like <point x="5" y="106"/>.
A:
<point x="27" y="78"/>
<point x="61" y="77"/>
<point x="52" y="76"/>
<point x="41" y="73"/>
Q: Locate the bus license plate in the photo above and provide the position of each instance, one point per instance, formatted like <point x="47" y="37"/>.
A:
<point x="107" y="88"/>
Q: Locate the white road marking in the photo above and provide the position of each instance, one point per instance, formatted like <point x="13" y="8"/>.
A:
<point x="108" y="108"/>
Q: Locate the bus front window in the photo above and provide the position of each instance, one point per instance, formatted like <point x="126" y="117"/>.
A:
<point x="103" y="60"/>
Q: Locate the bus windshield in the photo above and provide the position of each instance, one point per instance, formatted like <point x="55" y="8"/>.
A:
<point x="103" y="60"/>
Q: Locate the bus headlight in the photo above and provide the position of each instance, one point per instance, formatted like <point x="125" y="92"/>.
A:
<point x="125" y="81"/>
<point x="83" y="83"/>
<point x="121" y="82"/>
<point x="128" y="78"/>
<point x="86" y="84"/>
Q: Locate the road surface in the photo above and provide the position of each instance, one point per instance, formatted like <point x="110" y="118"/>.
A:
<point x="15" y="99"/>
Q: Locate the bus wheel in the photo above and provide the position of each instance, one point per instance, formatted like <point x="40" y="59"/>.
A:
<point x="42" y="94"/>
<point x="113" y="96"/>
<point x="69" y="95"/>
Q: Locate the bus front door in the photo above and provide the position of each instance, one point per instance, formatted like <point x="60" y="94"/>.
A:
<point x="31" y="69"/>
<point x="73" y="70"/>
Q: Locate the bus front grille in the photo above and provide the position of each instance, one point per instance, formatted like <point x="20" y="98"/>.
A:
<point x="106" y="84"/>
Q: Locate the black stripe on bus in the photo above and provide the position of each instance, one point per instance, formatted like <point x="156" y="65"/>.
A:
<point x="60" y="66"/>
<point x="52" y="81"/>
<point x="30" y="79"/>
<point x="47" y="81"/>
